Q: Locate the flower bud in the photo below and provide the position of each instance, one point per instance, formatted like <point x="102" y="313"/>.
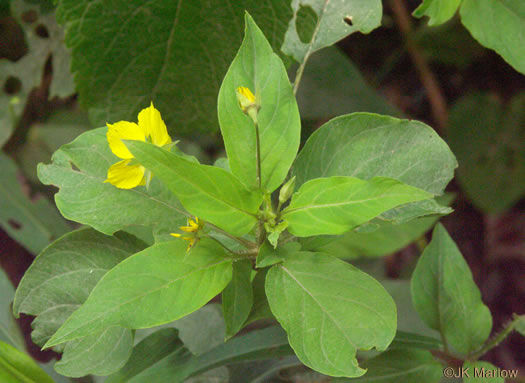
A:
<point x="287" y="190"/>
<point x="247" y="102"/>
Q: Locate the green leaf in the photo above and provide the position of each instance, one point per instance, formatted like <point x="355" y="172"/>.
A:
<point x="149" y="351"/>
<point x="237" y="297"/>
<point x="9" y="330"/>
<point x="366" y="145"/>
<point x="482" y="372"/>
<point x="261" y="371"/>
<point x="406" y="340"/>
<point x="79" y="170"/>
<point x="33" y="224"/>
<point x="258" y="68"/>
<point x="181" y="50"/>
<point x="489" y="149"/>
<point x="331" y="26"/>
<point x="439" y="11"/>
<point x="155" y="286"/>
<point x="498" y="25"/>
<point x="407" y="366"/>
<point x="332" y="85"/>
<point x="446" y="297"/>
<point x="50" y="290"/>
<point x="335" y="205"/>
<point x="99" y="354"/>
<point x="28" y="71"/>
<point x="209" y="192"/>
<point x="269" y="256"/>
<point x="260" y="308"/>
<point x="16" y="367"/>
<point x="330" y="310"/>
<point x="520" y="325"/>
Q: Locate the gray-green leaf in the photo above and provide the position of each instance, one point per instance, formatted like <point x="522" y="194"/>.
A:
<point x="153" y="287"/>
<point x="330" y="310"/>
<point x="79" y="170"/>
<point x="209" y="192"/>
<point x="335" y="205"/>
<point x="446" y="297"/>
<point x="258" y="68"/>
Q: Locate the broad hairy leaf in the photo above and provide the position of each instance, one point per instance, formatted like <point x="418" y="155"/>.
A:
<point x="99" y="354"/>
<point x="330" y="309"/>
<point x="498" y="25"/>
<point x="334" y="205"/>
<point x="482" y="372"/>
<point x="208" y="192"/>
<point x="258" y="68"/>
<point x="490" y="149"/>
<point x="178" y="365"/>
<point x="16" y="367"/>
<point x="79" y="170"/>
<point x="51" y="291"/>
<point x="446" y="297"/>
<point x="153" y="287"/>
<point x="33" y="224"/>
<point x="366" y="145"/>
<point x="181" y="49"/>
<point x="407" y="366"/>
<point x="237" y="297"/>
<point x="438" y="11"/>
<point x="330" y="26"/>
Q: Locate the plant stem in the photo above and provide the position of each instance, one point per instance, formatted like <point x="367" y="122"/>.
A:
<point x="299" y="73"/>
<point x="241" y="254"/>
<point x="435" y="95"/>
<point x="242" y="241"/>
<point x="495" y="340"/>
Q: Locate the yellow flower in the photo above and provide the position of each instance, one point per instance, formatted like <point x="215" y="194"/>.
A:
<point x="127" y="174"/>
<point x="247" y="102"/>
<point x="192" y="231"/>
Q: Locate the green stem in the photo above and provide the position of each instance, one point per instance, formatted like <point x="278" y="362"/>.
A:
<point x="496" y="339"/>
<point x="242" y="241"/>
<point x="299" y="73"/>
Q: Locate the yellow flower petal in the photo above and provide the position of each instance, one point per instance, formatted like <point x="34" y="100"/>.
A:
<point x="151" y="122"/>
<point x="176" y="235"/>
<point x="246" y="92"/>
<point x="125" y="176"/>
<point x="187" y="229"/>
<point x="123" y="130"/>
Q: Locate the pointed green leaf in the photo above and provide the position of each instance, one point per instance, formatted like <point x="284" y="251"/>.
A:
<point x="208" y="192"/>
<point x="33" y="224"/>
<point x="150" y="288"/>
<point x="330" y="310"/>
<point x="79" y="170"/>
<point x="407" y="366"/>
<point x="258" y="68"/>
<point x="237" y="297"/>
<point x="330" y="26"/>
<point x="17" y="367"/>
<point x="99" y="354"/>
<point x="446" y="297"/>
<point x="439" y="11"/>
<point x="498" y="25"/>
<point x="482" y="372"/>
<point x="337" y="204"/>
<point x="366" y="145"/>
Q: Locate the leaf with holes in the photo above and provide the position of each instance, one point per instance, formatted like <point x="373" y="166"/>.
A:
<point x="150" y="288"/>
<point x="335" y="205"/>
<point x="276" y="136"/>
<point x="490" y="149"/>
<point x="44" y="38"/>
<point x="446" y="297"/>
<point x="498" y="25"/>
<point x="330" y="309"/>
<point x="181" y="49"/>
<point x="366" y="145"/>
<point x="79" y="169"/>
<point x="334" y="20"/>
<point x="33" y="224"/>
<point x="439" y="11"/>
<point x="208" y="192"/>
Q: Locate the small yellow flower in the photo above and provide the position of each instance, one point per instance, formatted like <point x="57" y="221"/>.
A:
<point x="192" y="231"/>
<point x="127" y="174"/>
<point x="247" y="102"/>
